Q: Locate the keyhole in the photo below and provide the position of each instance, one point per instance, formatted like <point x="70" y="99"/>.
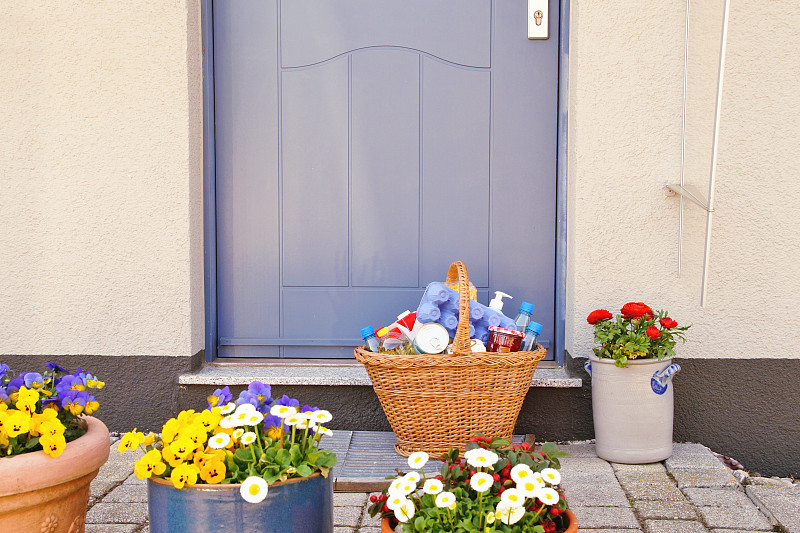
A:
<point x="538" y="15"/>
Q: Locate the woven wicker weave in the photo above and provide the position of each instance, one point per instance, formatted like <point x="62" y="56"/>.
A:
<point x="437" y="402"/>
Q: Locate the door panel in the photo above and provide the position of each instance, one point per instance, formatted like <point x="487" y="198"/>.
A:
<point x="362" y="146"/>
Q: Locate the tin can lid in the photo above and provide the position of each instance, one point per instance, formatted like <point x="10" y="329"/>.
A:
<point x="498" y="329"/>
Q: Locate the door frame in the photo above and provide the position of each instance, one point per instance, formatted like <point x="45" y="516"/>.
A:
<point x="209" y="185"/>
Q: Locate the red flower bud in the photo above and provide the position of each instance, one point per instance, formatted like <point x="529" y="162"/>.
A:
<point x="373" y="498"/>
<point x="653" y="332"/>
<point x="598" y="315"/>
<point x="554" y="511"/>
<point x="525" y="446"/>
<point x="496" y="477"/>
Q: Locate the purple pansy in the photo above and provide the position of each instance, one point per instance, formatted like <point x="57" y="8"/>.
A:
<point x="220" y="397"/>
<point x="34" y="380"/>
<point x="56" y="366"/>
<point x="4" y="368"/>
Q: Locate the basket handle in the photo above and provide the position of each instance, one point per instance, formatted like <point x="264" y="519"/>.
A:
<point x="461" y="341"/>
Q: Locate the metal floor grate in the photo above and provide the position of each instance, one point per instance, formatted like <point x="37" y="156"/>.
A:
<point x="367" y="458"/>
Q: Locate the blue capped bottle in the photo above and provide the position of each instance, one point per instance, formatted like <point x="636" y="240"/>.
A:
<point x="531" y="332"/>
<point x="524" y="316"/>
<point x="370" y="339"/>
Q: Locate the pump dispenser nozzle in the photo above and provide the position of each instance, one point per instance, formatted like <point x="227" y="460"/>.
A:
<point x="497" y="302"/>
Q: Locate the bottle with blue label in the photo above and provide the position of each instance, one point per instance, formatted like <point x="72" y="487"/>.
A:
<point x="370" y="339"/>
<point x="524" y="316"/>
<point x="531" y="333"/>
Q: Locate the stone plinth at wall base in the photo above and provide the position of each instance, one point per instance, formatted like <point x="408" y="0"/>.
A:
<point x="42" y="493"/>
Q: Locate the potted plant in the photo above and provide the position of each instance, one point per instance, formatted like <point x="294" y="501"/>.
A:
<point x="255" y="463"/>
<point x="49" y="451"/>
<point x="495" y="488"/>
<point x="631" y="369"/>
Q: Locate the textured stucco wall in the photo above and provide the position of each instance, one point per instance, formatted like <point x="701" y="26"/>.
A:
<point x="101" y="178"/>
<point x="625" y="101"/>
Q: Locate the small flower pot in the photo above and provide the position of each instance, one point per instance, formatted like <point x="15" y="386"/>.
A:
<point x="43" y="494"/>
<point x="632" y="409"/>
<point x="571" y="528"/>
<point x="301" y="505"/>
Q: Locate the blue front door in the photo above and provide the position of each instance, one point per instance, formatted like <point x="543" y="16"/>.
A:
<point x="364" y="145"/>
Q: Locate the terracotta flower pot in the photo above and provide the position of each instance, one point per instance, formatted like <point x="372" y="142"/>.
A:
<point x="571" y="528"/>
<point x="43" y="494"/>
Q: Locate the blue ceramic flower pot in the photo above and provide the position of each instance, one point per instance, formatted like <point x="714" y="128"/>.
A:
<point x="301" y="505"/>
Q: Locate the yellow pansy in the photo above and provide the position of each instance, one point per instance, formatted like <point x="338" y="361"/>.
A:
<point x="184" y="475"/>
<point x="95" y="384"/>
<point x="274" y="432"/>
<point x="53" y="445"/>
<point x="170" y="430"/>
<point x="51" y="428"/>
<point x="18" y="422"/>
<point x="130" y="440"/>
<point x="210" y="419"/>
<point x="149" y="439"/>
<point x="149" y="464"/>
<point x="213" y="472"/>
<point x="38" y="418"/>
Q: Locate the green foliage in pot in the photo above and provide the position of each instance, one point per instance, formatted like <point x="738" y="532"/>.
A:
<point x="636" y="333"/>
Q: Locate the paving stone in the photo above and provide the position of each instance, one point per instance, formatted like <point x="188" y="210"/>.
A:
<point x="596" y="495"/>
<point x="127" y="493"/>
<point x="674" y="526"/>
<point x="647" y="510"/>
<point x="346" y="516"/>
<point x="646" y="468"/>
<point x="573" y="479"/>
<point x="641" y="477"/>
<point x="111" y="528"/>
<point x="342" y="529"/>
<point x="117" y="513"/>
<point x="768" y="481"/>
<point x="369" y="529"/>
<point x="781" y="505"/>
<point x="704" y="477"/>
<point x="734" y="518"/>
<point x="102" y="486"/>
<point x="664" y="491"/>
<point x="584" y="465"/>
<point x="582" y="530"/>
<point x="717" y="497"/>
<point x="349" y="499"/>
<point x="694" y="461"/>
<point x="581" y="449"/>
<point x="606" y="517"/>
<point x="133" y="480"/>
<point x="681" y="449"/>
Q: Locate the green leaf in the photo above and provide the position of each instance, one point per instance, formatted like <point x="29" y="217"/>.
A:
<point x="304" y="470"/>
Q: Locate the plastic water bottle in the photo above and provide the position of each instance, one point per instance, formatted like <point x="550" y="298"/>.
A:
<point x="531" y="332"/>
<point x="524" y="316"/>
<point x="370" y="339"/>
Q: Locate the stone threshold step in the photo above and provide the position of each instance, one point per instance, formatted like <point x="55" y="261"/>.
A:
<point x="367" y="458"/>
<point x="342" y="373"/>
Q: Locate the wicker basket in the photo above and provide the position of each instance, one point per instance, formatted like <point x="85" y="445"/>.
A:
<point x="437" y="402"/>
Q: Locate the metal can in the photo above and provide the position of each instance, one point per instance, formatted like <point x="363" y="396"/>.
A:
<point x="431" y="338"/>
<point x="503" y="340"/>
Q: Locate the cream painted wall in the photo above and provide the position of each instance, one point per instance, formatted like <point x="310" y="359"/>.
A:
<point x="101" y="178"/>
<point x="625" y="100"/>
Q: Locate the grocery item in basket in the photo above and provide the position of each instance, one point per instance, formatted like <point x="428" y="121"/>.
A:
<point x="431" y="338"/>
<point x="531" y="332"/>
<point x="524" y="316"/>
<point x="433" y="308"/>
<point x="370" y="339"/>
<point x="504" y="340"/>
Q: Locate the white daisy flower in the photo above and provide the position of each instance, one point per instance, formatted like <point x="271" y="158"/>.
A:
<point x="228" y="409"/>
<point x="530" y="488"/>
<point x="413" y="476"/>
<point x="237" y="433"/>
<point x="245" y="407"/>
<point x="282" y="410"/>
<point x="509" y="514"/>
<point x="548" y="496"/>
<point x="452" y="506"/>
<point x="321" y="416"/>
<point x="552" y="476"/>
<point x="490" y="518"/>
<point x="513" y="497"/>
<point x="521" y="473"/>
<point x="407" y="487"/>
<point x="483" y="459"/>
<point x="219" y="441"/>
<point x="432" y="486"/>
<point x="254" y="418"/>
<point x="445" y="499"/>
<point x="418" y="459"/>
<point x="292" y="420"/>
<point x="325" y="432"/>
<point x="303" y="424"/>
<point x="247" y="438"/>
<point x="405" y="512"/>
<point x="254" y="489"/>
<point x="396" y="501"/>
<point x="227" y="422"/>
<point x="481" y="482"/>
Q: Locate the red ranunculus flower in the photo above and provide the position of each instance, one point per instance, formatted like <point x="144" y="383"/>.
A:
<point x="668" y="323"/>
<point x="636" y="310"/>
<point x="598" y="315"/>
<point x="653" y="332"/>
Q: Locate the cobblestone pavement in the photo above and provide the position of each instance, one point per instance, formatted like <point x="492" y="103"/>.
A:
<point x="691" y="492"/>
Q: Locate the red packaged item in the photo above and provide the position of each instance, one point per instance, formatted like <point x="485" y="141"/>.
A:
<point x="503" y="340"/>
